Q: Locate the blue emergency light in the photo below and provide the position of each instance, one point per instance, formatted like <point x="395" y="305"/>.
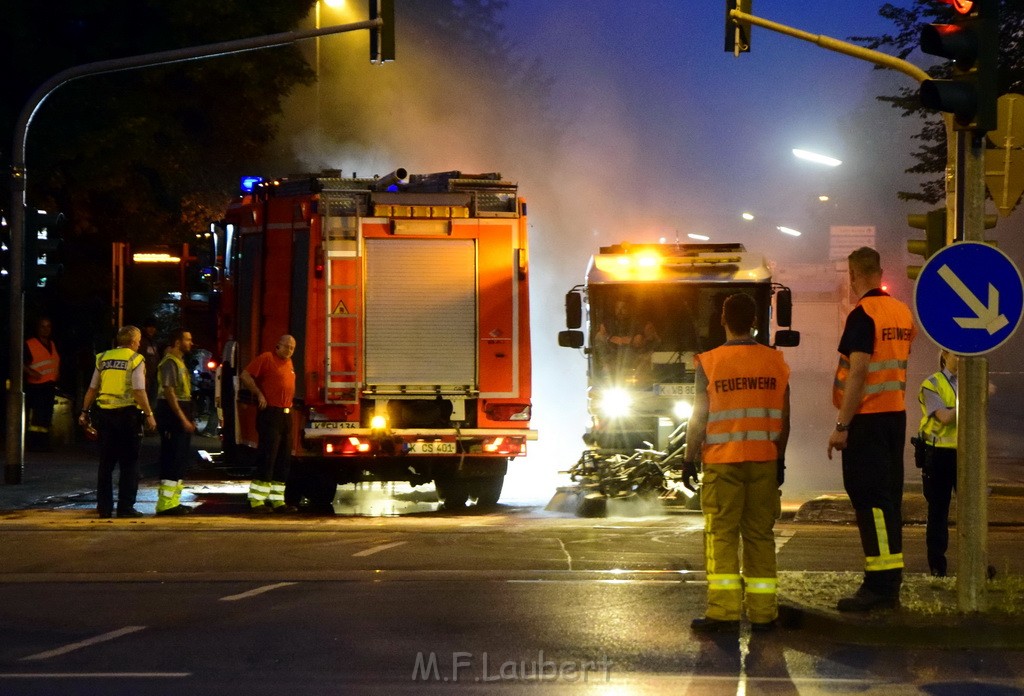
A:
<point x="249" y="183"/>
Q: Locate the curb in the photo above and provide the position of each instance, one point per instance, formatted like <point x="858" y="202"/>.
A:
<point x="900" y="628"/>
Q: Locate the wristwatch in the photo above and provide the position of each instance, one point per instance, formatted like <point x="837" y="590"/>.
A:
<point x="842" y="427"/>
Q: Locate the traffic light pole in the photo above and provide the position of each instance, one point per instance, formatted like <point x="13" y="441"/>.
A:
<point x="15" y="446"/>
<point x="972" y="395"/>
<point x="965" y="206"/>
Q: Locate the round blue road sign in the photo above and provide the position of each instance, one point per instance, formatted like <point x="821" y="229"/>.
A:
<point x="969" y="298"/>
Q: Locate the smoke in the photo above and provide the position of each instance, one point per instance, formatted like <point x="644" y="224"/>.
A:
<point x="616" y="128"/>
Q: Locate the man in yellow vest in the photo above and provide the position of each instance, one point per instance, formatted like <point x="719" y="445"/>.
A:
<point x="739" y="429"/>
<point x="937" y="456"/>
<point x="42" y="370"/>
<point x="174" y="423"/>
<point x="871" y="427"/>
<point x="118" y="388"/>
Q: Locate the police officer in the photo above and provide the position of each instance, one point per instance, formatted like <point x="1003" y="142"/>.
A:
<point x="739" y="428"/>
<point x="174" y="423"/>
<point x="118" y="388"/>
<point x="937" y="433"/>
<point x="871" y="427"/>
<point x="42" y="370"/>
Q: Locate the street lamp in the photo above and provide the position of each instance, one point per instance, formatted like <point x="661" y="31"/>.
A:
<point x="816" y="157"/>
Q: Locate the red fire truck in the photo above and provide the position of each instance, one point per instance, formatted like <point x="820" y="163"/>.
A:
<point x="408" y="297"/>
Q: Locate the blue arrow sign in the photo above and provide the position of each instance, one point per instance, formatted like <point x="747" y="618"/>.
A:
<point x="969" y="298"/>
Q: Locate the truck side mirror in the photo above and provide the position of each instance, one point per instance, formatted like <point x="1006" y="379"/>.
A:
<point x="573" y="310"/>
<point x="787" y="338"/>
<point x="570" y="339"/>
<point x="784" y="307"/>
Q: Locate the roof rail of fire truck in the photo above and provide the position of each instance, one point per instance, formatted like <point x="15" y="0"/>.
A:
<point x="676" y="249"/>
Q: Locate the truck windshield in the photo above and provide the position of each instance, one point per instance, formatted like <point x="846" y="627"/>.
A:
<point x="647" y="334"/>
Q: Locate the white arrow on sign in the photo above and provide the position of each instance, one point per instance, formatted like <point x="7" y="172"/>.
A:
<point x="988" y="317"/>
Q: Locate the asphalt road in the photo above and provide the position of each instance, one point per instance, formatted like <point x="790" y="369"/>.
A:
<point x="509" y="602"/>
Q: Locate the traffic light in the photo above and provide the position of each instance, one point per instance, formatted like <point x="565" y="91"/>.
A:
<point x="971" y="41"/>
<point x="737" y="34"/>
<point x="42" y="248"/>
<point x="934" y="225"/>
<point x="382" y="39"/>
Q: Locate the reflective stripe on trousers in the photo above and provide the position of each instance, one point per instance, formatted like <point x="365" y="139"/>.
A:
<point x="168" y="494"/>
<point x="258" y="493"/>
<point x="885" y="560"/>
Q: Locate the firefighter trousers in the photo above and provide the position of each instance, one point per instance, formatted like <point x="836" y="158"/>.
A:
<point x="740" y="502"/>
<point x="873" y="478"/>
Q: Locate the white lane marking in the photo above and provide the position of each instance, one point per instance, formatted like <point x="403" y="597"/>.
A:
<point x="257" y="591"/>
<point x="781" y="539"/>
<point x="377" y="549"/>
<point x="84" y="643"/>
<point x="95" y="675"/>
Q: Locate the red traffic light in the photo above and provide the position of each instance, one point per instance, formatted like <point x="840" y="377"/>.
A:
<point x="961" y="6"/>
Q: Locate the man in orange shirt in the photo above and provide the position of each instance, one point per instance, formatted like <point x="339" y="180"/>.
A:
<point x="739" y="429"/>
<point x="42" y="370"/>
<point x="271" y="378"/>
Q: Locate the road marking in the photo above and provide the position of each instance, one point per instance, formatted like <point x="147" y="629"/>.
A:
<point x="781" y="539"/>
<point x="377" y="549"/>
<point x="95" y="675"/>
<point x="257" y="591"/>
<point x="84" y="643"/>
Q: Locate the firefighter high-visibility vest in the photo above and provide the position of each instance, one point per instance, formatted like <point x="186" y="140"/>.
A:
<point x="183" y="388"/>
<point x="45" y="366"/>
<point x="886" y="383"/>
<point x="932" y="429"/>
<point x="116" y="367"/>
<point x="746" y="396"/>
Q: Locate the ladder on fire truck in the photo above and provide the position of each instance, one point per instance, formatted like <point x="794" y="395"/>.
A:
<point x="342" y="268"/>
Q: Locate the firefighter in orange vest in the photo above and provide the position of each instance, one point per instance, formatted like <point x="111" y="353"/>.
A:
<point x="42" y="370"/>
<point x="739" y="429"/>
<point x="871" y="427"/>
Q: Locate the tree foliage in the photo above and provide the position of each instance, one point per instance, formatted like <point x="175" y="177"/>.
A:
<point x="930" y="154"/>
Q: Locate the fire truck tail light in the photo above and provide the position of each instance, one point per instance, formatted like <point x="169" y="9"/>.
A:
<point x="508" y="412"/>
<point x="515" y="446"/>
<point x="349" y="445"/>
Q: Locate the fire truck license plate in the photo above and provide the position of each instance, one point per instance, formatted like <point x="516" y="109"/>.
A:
<point x="674" y="389"/>
<point x="333" y="425"/>
<point x="432" y="448"/>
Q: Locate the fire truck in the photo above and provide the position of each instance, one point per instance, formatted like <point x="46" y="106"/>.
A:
<point x="408" y="297"/>
<point x="650" y="308"/>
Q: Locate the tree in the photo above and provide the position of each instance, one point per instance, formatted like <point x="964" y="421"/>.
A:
<point x="931" y="151"/>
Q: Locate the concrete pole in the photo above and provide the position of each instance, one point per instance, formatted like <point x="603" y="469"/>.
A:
<point x="972" y="401"/>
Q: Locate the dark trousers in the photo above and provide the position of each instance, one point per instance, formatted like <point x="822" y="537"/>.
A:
<point x="39" y="401"/>
<point x="938" y="477"/>
<point x="175" y="441"/>
<point x="120" y="436"/>
<point x="873" y="478"/>
<point x="274" y="450"/>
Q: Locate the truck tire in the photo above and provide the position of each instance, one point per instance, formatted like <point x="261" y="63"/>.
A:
<point x="487" y="490"/>
<point x="453" y="493"/>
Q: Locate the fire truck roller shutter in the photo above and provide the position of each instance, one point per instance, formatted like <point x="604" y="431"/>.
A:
<point x="420" y="312"/>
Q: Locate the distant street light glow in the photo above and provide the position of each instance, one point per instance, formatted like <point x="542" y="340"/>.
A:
<point x="823" y="198"/>
<point x="699" y="237"/>
<point x="816" y="158"/>
<point x="747" y="216"/>
<point x="788" y="230"/>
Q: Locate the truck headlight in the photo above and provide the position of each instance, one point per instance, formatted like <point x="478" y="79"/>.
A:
<point x="682" y="410"/>
<point x="615" y="403"/>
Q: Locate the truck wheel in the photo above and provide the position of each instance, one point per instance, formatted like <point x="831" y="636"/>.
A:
<point x="453" y="493"/>
<point x="487" y="490"/>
